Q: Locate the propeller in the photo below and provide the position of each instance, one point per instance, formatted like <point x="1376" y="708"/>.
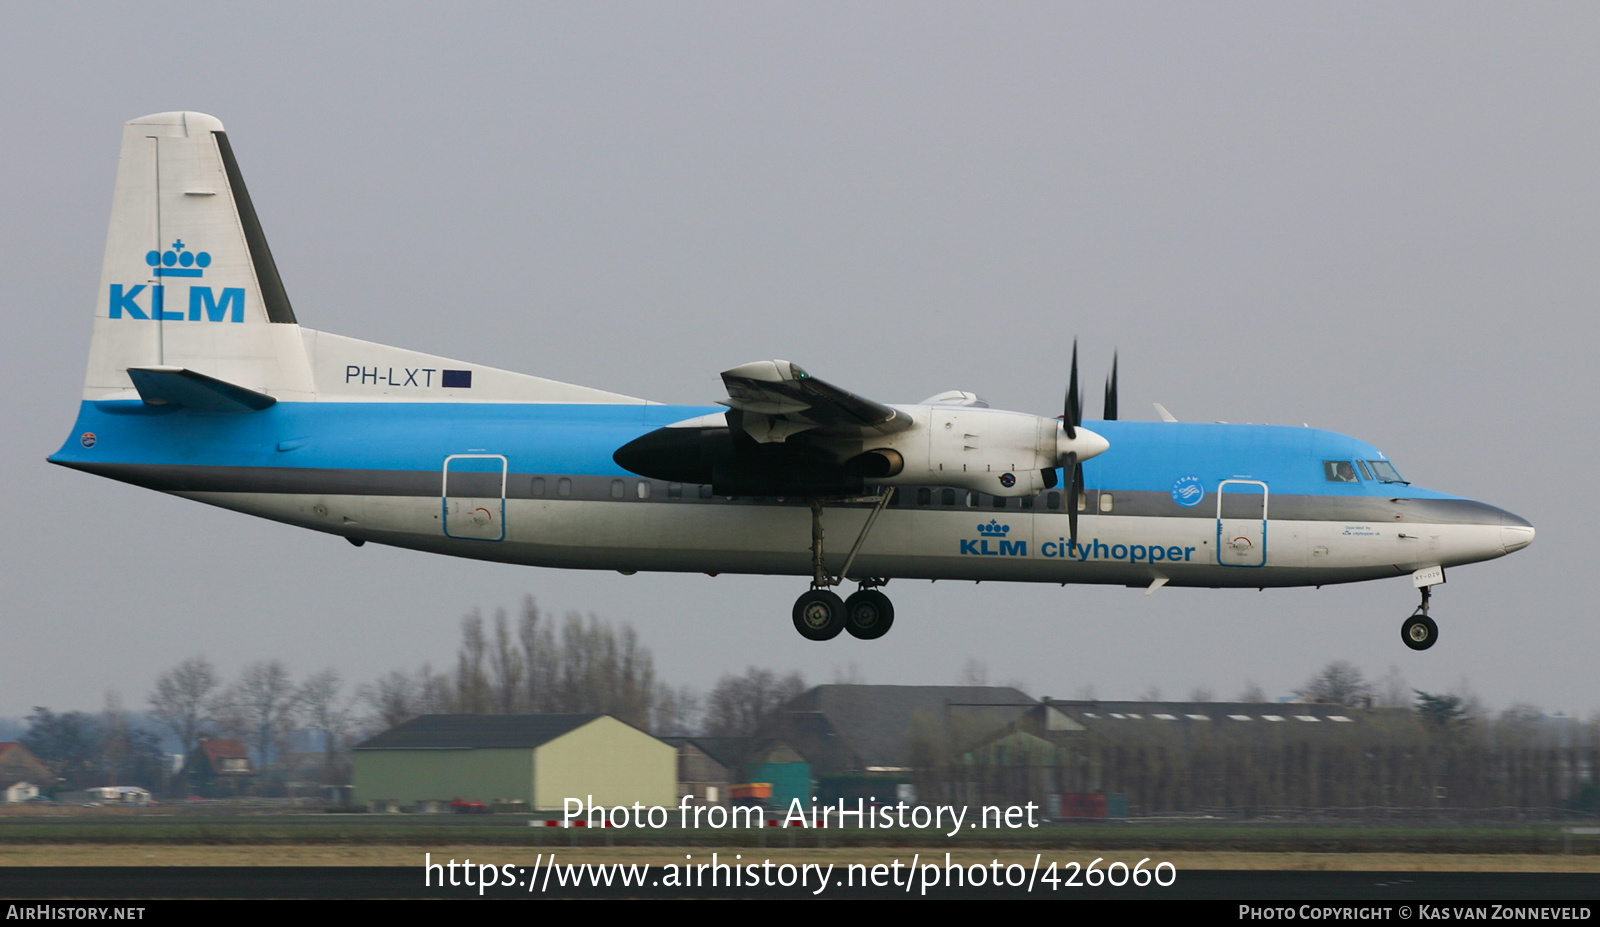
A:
<point x="1111" y="391"/>
<point x="1080" y="443"/>
<point x="1071" y="418"/>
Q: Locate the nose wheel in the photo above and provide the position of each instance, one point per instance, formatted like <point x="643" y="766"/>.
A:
<point x="1419" y="631"/>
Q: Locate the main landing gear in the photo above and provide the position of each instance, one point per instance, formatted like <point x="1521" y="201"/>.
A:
<point x="820" y="614"/>
<point x="1419" y="631"/>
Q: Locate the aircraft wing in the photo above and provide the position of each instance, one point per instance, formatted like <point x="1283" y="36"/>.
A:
<point x="777" y="399"/>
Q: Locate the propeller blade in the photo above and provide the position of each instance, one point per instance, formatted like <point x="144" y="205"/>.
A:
<point x="1073" y="484"/>
<point x="1072" y="416"/>
<point x="1111" y="392"/>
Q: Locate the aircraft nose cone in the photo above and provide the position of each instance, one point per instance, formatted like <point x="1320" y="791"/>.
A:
<point x="1515" y="532"/>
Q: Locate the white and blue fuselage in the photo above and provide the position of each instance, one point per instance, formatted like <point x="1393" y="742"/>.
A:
<point x="1200" y="504"/>
<point x="201" y="383"/>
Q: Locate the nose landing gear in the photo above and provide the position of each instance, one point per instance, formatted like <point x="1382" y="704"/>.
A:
<point x="1419" y="631"/>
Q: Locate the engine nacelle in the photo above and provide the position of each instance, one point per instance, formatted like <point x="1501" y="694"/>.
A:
<point x="988" y="450"/>
<point x="968" y="446"/>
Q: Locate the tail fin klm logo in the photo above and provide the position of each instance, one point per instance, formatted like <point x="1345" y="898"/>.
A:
<point x="176" y="262"/>
<point x="205" y="304"/>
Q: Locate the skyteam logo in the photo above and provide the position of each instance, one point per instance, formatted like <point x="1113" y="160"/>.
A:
<point x="1188" y="491"/>
<point x="994" y="534"/>
<point x="176" y="262"/>
<point x="205" y="304"/>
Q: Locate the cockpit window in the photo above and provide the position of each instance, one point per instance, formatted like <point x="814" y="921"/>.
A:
<point x="1385" y="471"/>
<point x="1340" y="471"/>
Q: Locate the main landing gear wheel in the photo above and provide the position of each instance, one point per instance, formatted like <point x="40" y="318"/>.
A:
<point x="1419" y="632"/>
<point x="868" y="614"/>
<point x="819" y="615"/>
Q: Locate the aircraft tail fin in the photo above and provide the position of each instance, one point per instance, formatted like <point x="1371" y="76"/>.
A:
<point x="188" y="279"/>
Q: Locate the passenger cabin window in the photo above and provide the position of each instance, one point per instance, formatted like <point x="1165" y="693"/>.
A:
<point x="947" y="497"/>
<point x="1053" y="500"/>
<point x="617" y="489"/>
<point x="674" y="490"/>
<point x="999" y="502"/>
<point x="1340" y="471"/>
<point x="1027" y="502"/>
<point x="538" y="485"/>
<point x="924" y="496"/>
<point x="564" y="487"/>
<point x="1105" y="502"/>
<point x="705" y="490"/>
<point x="644" y="489"/>
<point x="972" y="500"/>
<point x="1083" y="502"/>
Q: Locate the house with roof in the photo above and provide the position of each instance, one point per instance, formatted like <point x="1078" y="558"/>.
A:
<point x="539" y="759"/>
<point x="220" y="766"/>
<point x="933" y="743"/>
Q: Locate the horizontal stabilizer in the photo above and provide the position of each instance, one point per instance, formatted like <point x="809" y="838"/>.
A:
<point x="179" y="386"/>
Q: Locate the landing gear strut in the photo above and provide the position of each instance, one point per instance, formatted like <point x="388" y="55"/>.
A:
<point x="820" y="614"/>
<point x="1419" y="631"/>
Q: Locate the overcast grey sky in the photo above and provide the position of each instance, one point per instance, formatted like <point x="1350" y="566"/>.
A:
<point x="1379" y="219"/>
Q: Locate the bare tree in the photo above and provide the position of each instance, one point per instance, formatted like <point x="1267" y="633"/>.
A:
<point x="739" y="705"/>
<point x="1392" y="691"/>
<point x="330" y="715"/>
<point x="1340" y="683"/>
<point x="506" y="667"/>
<point x="592" y="668"/>
<point x="261" y="707"/>
<point x="472" y="685"/>
<point x="674" y="711"/>
<point x="391" y="701"/>
<point x="183" y="701"/>
<point x="114" y="735"/>
<point x="1251" y="692"/>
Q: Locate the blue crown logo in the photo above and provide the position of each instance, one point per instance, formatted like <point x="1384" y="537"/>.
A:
<point x="176" y="262"/>
<point x="994" y="529"/>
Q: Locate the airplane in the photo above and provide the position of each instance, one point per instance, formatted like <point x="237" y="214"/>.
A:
<point x="202" y="383"/>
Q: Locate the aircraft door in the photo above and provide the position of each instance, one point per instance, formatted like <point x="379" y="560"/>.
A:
<point x="1242" y="523"/>
<point x="475" y="497"/>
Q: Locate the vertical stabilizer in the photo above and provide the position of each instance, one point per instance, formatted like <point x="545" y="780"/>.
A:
<point x="188" y="279"/>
